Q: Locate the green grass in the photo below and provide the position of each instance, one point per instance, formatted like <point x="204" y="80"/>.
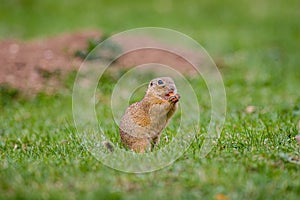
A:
<point x="255" y="44"/>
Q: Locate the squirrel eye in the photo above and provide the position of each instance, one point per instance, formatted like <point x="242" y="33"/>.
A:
<point x="160" y="82"/>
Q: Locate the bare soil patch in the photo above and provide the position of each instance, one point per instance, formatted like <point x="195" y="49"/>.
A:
<point x="36" y="65"/>
<point x="42" y="64"/>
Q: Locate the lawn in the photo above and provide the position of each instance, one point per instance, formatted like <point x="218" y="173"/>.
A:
<point x="256" y="47"/>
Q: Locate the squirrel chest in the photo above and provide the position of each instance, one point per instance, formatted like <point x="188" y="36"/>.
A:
<point x="158" y="118"/>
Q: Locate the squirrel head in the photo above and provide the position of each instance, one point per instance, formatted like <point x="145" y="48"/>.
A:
<point x="162" y="87"/>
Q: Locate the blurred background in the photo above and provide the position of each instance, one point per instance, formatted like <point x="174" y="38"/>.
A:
<point x="261" y="37"/>
<point x="222" y="27"/>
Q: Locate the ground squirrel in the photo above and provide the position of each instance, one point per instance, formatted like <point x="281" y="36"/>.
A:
<point x="143" y="121"/>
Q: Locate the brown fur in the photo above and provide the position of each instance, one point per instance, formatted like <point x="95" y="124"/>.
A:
<point x="143" y="121"/>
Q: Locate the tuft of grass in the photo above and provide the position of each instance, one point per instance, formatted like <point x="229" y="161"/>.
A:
<point x="8" y="94"/>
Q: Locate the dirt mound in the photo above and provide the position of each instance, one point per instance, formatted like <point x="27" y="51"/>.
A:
<point x="40" y="65"/>
<point x="37" y="65"/>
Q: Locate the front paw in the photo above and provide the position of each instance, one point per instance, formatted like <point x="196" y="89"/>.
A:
<point x="175" y="98"/>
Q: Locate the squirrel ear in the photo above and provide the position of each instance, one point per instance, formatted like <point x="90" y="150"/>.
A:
<point x="151" y="83"/>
